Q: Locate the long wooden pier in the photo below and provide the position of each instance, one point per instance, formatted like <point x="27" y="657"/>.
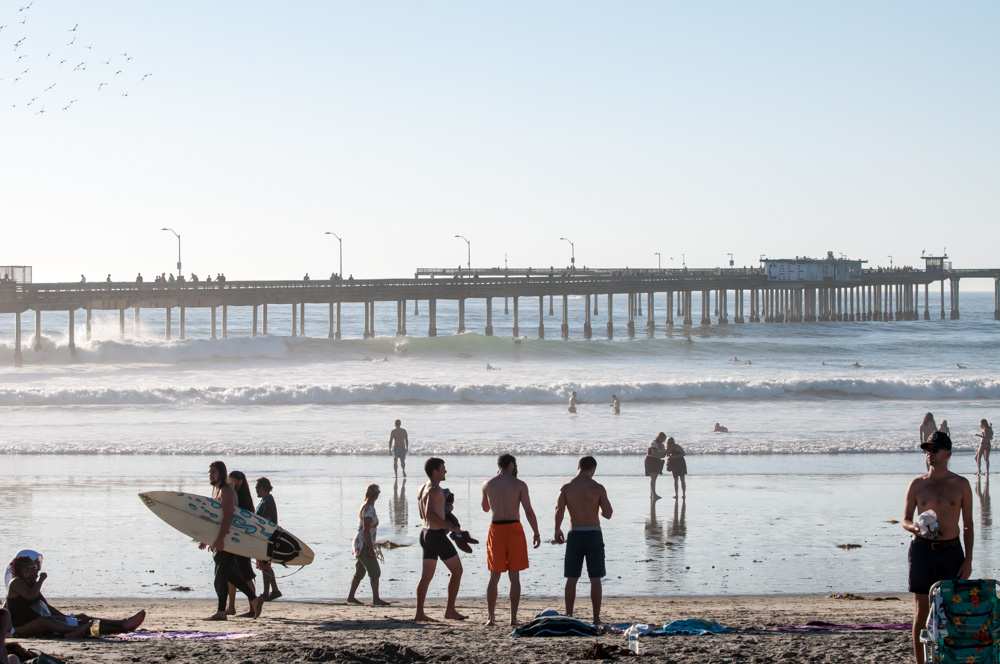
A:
<point x="870" y="295"/>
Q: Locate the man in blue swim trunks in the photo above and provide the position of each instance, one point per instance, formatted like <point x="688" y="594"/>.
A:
<point x="587" y="502"/>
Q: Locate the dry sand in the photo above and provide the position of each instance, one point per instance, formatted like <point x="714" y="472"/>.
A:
<point x="335" y="632"/>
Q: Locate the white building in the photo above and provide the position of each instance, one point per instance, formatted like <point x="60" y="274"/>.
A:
<point x="813" y="269"/>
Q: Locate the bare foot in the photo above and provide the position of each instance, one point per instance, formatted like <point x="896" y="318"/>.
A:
<point x="381" y="602"/>
<point x="454" y="615"/>
<point x="423" y="617"/>
<point x="221" y="615"/>
<point x="256" y="607"/>
<point x="351" y="600"/>
<point x="231" y="611"/>
<point x="514" y="622"/>
<point x="490" y="623"/>
<point x="273" y="596"/>
<point x="248" y="614"/>
<point x="133" y="623"/>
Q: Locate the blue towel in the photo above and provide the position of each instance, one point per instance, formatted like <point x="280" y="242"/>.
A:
<point x="690" y="627"/>
<point x="556" y="626"/>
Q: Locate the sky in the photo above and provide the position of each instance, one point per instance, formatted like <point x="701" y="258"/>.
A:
<point x="694" y="130"/>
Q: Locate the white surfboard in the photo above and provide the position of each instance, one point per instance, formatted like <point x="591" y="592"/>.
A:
<point x="249" y="535"/>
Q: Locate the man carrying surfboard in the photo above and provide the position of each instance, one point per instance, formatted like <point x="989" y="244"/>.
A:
<point x="227" y="567"/>
<point x="434" y="541"/>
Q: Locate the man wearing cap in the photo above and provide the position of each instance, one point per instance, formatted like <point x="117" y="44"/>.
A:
<point x="935" y="552"/>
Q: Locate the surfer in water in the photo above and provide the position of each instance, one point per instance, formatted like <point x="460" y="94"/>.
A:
<point x="720" y="428"/>
<point x="227" y="566"/>
<point x="268" y="510"/>
<point x="572" y="403"/>
<point x="616" y="404"/>
<point x="399" y="445"/>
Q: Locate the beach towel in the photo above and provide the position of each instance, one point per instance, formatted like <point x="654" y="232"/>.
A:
<point x="817" y="626"/>
<point x="689" y="627"/>
<point x="178" y="635"/>
<point x="556" y="626"/>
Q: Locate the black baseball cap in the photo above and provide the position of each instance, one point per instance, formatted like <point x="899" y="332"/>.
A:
<point x="939" y="440"/>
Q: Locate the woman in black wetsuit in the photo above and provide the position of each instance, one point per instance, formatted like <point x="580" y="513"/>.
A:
<point x="244" y="501"/>
<point x="32" y="615"/>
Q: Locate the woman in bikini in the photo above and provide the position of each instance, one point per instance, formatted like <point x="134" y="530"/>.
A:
<point x="985" y="436"/>
<point x="655" y="455"/>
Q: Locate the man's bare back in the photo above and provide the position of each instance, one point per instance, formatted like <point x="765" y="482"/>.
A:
<point x="505" y="494"/>
<point x="430" y="500"/>
<point x="944" y="496"/>
<point x="584" y="499"/>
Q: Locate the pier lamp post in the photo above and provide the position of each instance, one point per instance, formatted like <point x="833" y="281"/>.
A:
<point x="572" y="251"/>
<point x="468" y="251"/>
<point x="340" y="241"/>
<point x="178" y="236"/>
<point x="659" y="260"/>
<point x="890" y="262"/>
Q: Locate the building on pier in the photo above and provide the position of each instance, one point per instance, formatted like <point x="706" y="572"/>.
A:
<point x="802" y="269"/>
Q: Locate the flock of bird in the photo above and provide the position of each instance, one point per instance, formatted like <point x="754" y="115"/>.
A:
<point x="35" y="75"/>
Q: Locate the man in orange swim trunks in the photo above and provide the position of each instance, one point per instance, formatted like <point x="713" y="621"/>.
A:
<point x="506" y="547"/>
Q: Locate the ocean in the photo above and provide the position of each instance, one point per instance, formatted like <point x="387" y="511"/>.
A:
<point x="823" y="422"/>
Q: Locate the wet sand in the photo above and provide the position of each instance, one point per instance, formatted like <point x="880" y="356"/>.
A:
<point x="334" y="632"/>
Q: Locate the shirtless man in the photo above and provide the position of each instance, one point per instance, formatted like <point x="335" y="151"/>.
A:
<point x="434" y="541"/>
<point x="399" y="445"/>
<point x="227" y="567"/>
<point x="937" y="555"/>
<point x="587" y="501"/>
<point x="616" y="404"/>
<point x="506" y="547"/>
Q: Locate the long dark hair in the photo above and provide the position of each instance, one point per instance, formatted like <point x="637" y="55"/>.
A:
<point x="220" y="471"/>
<point x="243" y="498"/>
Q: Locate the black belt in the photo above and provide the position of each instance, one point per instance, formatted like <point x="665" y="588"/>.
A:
<point x="937" y="545"/>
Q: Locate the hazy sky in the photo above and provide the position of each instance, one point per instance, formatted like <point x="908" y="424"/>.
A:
<point x="704" y="128"/>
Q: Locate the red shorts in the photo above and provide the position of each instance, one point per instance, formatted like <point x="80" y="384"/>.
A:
<point x="506" y="548"/>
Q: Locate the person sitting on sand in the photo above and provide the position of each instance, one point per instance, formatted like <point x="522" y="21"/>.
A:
<point x="655" y="454"/>
<point x="985" y="436"/>
<point x="268" y="510"/>
<point x="586" y="501"/>
<point x="366" y="551"/>
<point x="32" y="616"/>
<point x="506" y="547"/>
<point x="677" y="465"/>
<point x="720" y="429"/>
<point x="935" y="553"/>
<point x="434" y="542"/>
<point x="572" y="402"/>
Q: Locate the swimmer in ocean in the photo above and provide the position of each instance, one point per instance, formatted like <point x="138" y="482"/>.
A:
<point x="720" y="429"/>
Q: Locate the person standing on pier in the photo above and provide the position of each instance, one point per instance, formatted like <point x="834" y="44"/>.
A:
<point x="938" y="498"/>
<point x="399" y="445"/>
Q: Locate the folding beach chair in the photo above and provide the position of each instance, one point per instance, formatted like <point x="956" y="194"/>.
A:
<point x="963" y="626"/>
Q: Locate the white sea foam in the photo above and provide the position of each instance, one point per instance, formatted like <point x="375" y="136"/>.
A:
<point x="498" y="393"/>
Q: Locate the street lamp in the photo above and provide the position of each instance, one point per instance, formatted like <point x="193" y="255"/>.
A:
<point x="468" y="249"/>
<point x="572" y="251"/>
<point x="340" y="241"/>
<point x="890" y="262"/>
<point x="178" y="236"/>
<point x="659" y="260"/>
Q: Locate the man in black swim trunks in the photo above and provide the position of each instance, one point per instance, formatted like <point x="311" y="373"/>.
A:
<point x="587" y="501"/>
<point x="935" y="552"/>
<point x="434" y="541"/>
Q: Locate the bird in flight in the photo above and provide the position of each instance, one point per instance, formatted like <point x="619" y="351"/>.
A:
<point x="26" y="70"/>
<point x="82" y="65"/>
<point x="21" y="57"/>
<point x="144" y="77"/>
<point x="108" y="61"/>
<point x="71" y="41"/>
<point x="61" y="62"/>
<point x="100" y="85"/>
<point x="73" y="29"/>
<point x="41" y="111"/>
<point x="31" y="101"/>
<point x="90" y="47"/>
<point x="124" y="93"/>
<point x="26" y="7"/>
<point x="18" y="43"/>
<point x="118" y="72"/>
<point x="50" y="87"/>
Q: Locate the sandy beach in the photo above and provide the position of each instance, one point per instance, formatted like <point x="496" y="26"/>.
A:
<point x="335" y="632"/>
